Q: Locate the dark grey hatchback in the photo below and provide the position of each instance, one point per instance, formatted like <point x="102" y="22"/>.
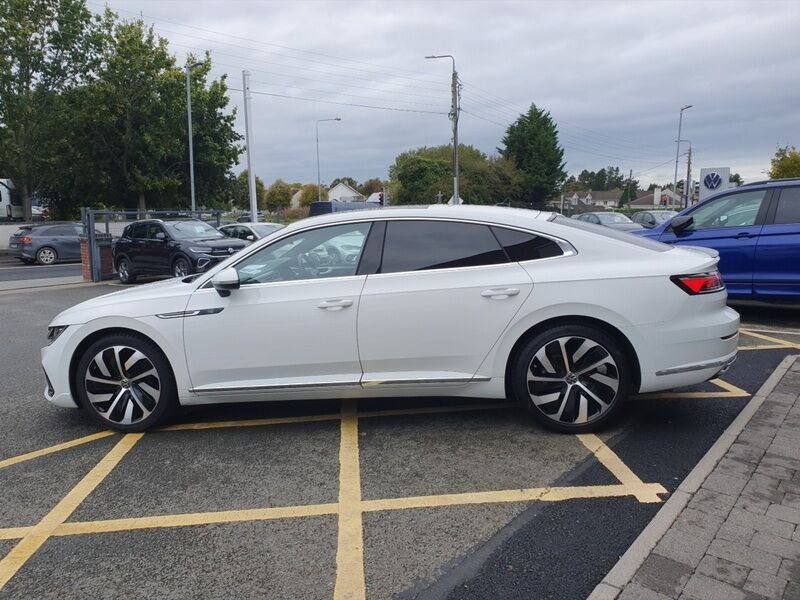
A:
<point x="47" y="244"/>
<point x="178" y="248"/>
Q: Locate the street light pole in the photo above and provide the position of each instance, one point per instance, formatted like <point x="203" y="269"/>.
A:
<point x="319" y="180"/>
<point x="189" y="118"/>
<point x="454" y="112"/>
<point x="677" y="152"/>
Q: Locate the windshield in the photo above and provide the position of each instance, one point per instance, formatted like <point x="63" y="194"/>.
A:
<point x="613" y="218"/>
<point x="664" y="215"/>
<point x="186" y="230"/>
<point x="263" y="229"/>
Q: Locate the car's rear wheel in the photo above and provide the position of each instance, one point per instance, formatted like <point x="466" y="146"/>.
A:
<point x="181" y="267"/>
<point x="46" y="256"/>
<point x="125" y="272"/>
<point x="126" y="383"/>
<point x="571" y="378"/>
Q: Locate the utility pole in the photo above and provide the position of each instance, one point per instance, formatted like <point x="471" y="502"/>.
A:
<point x="677" y="152"/>
<point x="248" y="147"/>
<point x="189" y="118"/>
<point x="687" y="187"/>
<point x="454" y="112"/>
<point x="319" y="181"/>
<point x="630" y="185"/>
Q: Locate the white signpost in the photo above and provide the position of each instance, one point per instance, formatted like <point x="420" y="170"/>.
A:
<point x="714" y="180"/>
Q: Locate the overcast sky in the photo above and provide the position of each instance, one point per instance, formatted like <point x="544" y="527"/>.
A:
<point x="613" y="75"/>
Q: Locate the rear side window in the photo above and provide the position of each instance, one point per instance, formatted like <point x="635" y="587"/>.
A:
<point x="788" y="210"/>
<point x="425" y="245"/>
<point x="620" y="236"/>
<point x="521" y="246"/>
<point x="61" y="230"/>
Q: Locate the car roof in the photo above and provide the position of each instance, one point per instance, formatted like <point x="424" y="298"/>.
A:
<point x="771" y="183"/>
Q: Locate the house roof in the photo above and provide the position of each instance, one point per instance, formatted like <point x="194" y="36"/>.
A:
<point x="354" y="193"/>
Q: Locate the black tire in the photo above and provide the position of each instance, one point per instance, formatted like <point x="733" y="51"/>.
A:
<point x="46" y="255"/>
<point x="125" y="271"/>
<point x="181" y="267"/>
<point x="573" y="398"/>
<point x="137" y="398"/>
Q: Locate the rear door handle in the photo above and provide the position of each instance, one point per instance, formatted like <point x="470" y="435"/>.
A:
<point x="499" y="293"/>
<point x="335" y="304"/>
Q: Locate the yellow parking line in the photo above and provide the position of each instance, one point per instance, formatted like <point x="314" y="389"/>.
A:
<point x="14" y="533"/>
<point x="763" y="347"/>
<point x="620" y="470"/>
<point x="350" y="584"/>
<point x="40" y="532"/>
<point x="249" y="423"/>
<point x="731" y="391"/>
<point x="57" y="448"/>
<point x="436" y="409"/>
<point x="189" y="519"/>
<point x="768" y="338"/>
<point x="544" y="494"/>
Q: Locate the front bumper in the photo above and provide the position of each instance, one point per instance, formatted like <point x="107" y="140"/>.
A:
<point x="56" y="371"/>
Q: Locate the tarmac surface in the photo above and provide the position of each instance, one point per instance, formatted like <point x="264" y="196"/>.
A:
<point x="408" y="498"/>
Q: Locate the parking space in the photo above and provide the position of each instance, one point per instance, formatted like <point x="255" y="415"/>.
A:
<point x="419" y="499"/>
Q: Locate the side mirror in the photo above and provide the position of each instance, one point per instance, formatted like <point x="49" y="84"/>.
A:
<point x="681" y="223"/>
<point x="251" y="237"/>
<point x="225" y="281"/>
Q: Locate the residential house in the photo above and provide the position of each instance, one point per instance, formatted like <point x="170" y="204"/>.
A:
<point x="609" y="199"/>
<point x="342" y="192"/>
<point x="658" y="198"/>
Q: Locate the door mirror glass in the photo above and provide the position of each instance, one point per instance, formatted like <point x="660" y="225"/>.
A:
<point x="251" y="237"/>
<point x="681" y="223"/>
<point x="161" y="236"/>
<point x="225" y="281"/>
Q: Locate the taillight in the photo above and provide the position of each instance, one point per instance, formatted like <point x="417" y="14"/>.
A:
<point x="25" y="239"/>
<point x="700" y="283"/>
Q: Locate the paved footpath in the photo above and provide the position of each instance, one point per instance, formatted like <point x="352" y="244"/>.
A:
<point x="732" y="529"/>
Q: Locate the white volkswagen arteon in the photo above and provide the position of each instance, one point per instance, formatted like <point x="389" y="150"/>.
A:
<point x="565" y="317"/>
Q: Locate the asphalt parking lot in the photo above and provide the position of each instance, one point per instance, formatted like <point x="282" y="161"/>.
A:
<point x="378" y="499"/>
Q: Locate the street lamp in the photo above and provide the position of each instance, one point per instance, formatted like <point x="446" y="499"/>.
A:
<point x="677" y="152"/>
<point x="454" y="116"/>
<point x="189" y="118"/>
<point x="319" y="181"/>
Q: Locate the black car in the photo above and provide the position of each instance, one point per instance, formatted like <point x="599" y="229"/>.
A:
<point x="178" y="248"/>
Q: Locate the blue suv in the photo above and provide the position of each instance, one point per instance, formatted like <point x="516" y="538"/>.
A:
<point x="756" y="230"/>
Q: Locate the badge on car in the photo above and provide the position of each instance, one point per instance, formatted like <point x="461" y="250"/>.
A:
<point x="231" y="250"/>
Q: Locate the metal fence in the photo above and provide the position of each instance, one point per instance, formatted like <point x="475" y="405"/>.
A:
<point x="103" y="226"/>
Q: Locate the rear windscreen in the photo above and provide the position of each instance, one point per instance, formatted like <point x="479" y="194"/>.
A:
<point x="621" y="236"/>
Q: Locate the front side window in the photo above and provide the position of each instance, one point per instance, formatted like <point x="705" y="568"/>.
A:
<point x="612" y="218"/>
<point x="521" y="246"/>
<point x="788" y="210"/>
<point x="424" y="245"/>
<point x="734" y="210"/>
<point x="314" y="254"/>
<point x="153" y="229"/>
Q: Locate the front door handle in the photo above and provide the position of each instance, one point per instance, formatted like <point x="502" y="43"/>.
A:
<point x="335" y="304"/>
<point x="743" y="235"/>
<point x="499" y="293"/>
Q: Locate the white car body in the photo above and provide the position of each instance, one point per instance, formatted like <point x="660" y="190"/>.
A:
<point x="445" y="332"/>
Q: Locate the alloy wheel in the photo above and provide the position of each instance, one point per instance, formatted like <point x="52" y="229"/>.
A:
<point x="46" y="256"/>
<point x="122" y="384"/>
<point x="181" y="268"/>
<point x="124" y="271"/>
<point x="573" y="380"/>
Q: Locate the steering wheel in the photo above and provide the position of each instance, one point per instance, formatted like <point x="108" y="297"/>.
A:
<point x="334" y="254"/>
<point x="308" y="260"/>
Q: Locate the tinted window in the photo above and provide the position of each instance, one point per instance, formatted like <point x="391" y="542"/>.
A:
<point x="153" y="229"/>
<point x="318" y="253"/>
<point x="521" y="246"/>
<point x="734" y="210"/>
<point x="788" y="206"/>
<point x="423" y="245"/>
<point x="604" y="231"/>
<point x="138" y="230"/>
<point x="60" y="230"/>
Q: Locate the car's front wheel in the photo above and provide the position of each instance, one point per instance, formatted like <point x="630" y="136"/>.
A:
<point x="181" y="267"/>
<point x="571" y="378"/>
<point x="126" y="383"/>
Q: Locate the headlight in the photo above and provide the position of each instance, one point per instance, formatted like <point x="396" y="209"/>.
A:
<point x="200" y="250"/>
<point x="54" y="332"/>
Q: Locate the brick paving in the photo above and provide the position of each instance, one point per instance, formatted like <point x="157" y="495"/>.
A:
<point x="738" y="538"/>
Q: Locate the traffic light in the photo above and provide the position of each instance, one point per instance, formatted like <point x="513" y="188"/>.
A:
<point x="380" y="198"/>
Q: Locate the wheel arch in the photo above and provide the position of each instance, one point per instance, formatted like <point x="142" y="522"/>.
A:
<point x="94" y="336"/>
<point x="576" y="319"/>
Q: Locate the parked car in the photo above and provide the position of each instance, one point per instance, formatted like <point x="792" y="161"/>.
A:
<point x="245" y="217"/>
<point x="248" y="231"/>
<point x="566" y="317"/>
<point x="756" y="230"/>
<point x="652" y="218"/>
<point x="178" y="248"/>
<point x="609" y="219"/>
<point x="47" y="244"/>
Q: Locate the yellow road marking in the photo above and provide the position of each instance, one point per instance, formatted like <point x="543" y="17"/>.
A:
<point x="56" y="448"/>
<point x="731" y="391"/>
<point x="40" y="532"/>
<point x="768" y="338"/>
<point x="14" y="533"/>
<point x="189" y="519"/>
<point x="249" y="423"/>
<point x="763" y="347"/>
<point x="619" y="469"/>
<point x="436" y="409"/>
<point x="350" y="584"/>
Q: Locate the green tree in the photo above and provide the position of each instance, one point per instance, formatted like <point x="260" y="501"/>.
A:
<point x="46" y="47"/>
<point x="531" y="142"/>
<point x="240" y="192"/>
<point x="309" y="192"/>
<point x="630" y="191"/>
<point x="279" y="195"/>
<point x="785" y="163"/>
<point x="370" y="186"/>
<point x="347" y="180"/>
<point x="735" y="179"/>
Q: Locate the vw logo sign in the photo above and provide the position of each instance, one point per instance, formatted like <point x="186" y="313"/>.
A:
<point x="712" y="181"/>
<point x="231" y="250"/>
